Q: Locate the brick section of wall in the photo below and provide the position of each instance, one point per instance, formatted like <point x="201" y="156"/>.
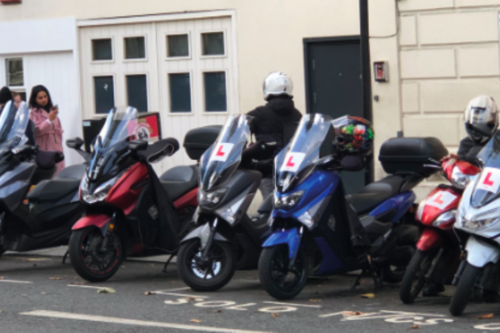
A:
<point x="435" y="63"/>
<point x="468" y="27"/>
<point x="449" y="54"/>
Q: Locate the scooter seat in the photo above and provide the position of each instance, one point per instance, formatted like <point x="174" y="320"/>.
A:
<point x="49" y="190"/>
<point x="376" y="193"/>
<point x="179" y="180"/>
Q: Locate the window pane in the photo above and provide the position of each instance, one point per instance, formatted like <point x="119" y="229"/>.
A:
<point x="215" y="91"/>
<point x="14" y="71"/>
<point x="101" y="49"/>
<point x="213" y="43"/>
<point x="180" y="92"/>
<point x="137" y="92"/>
<point x="135" y="48"/>
<point x="178" y="46"/>
<point x="104" y="94"/>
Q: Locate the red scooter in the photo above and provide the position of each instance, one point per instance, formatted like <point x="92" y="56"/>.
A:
<point x="129" y="210"/>
<point x="438" y="248"/>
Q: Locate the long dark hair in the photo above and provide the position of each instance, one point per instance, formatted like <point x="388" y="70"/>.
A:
<point x="5" y="95"/>
<point x="34" y="93"/>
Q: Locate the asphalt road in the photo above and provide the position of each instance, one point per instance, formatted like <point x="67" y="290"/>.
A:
<point x="39" y="294"/>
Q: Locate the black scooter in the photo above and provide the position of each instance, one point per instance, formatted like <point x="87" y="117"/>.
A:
<point x="43" y="217"/>
<point x="226" y="238"/>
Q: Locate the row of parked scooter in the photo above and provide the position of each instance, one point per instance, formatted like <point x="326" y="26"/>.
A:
<point x="114" y="206"/>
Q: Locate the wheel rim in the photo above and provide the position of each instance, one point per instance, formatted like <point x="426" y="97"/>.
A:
<point x="282" y="277"/>
<point x="97" y="261"/>
<point x="420" y="277"/>
<point x="210" y="269"/>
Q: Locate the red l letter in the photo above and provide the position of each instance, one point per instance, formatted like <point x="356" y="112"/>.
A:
<point x="220" y="152"/>
<point x="487" y="180"/>
<point x="290" y="163"/>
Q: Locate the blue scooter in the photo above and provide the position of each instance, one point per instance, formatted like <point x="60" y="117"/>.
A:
<point x="318" y="230"/>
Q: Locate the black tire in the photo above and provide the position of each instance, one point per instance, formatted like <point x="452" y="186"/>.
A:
<point x="200" y="278"/>
<point x="87" y="259"/>
<point x="273" y="272"/>
<point x="415" y="277"/>
<point x="462" y="293"/>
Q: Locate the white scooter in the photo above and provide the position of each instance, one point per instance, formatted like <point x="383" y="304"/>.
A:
<point x="478" y="226"/>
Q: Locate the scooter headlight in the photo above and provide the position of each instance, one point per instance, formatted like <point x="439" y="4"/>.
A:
<point x="211" y="199"/>
<point x="100" y="192"/>
<point x="287" y="202"/>
<point x="444" y="218"/>
<point x="486" y="219"/>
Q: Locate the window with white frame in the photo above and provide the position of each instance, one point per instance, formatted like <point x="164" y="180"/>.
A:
<point x="14" y="69"/>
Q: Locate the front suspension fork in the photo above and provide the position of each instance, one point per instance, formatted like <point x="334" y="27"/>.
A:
<point x="207" y="239"/>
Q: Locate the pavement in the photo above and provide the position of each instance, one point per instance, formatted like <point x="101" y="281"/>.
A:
<point x="40" y="294"/>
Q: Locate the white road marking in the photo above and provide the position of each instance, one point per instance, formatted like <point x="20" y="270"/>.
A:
<point x="293" y="304"/>
<point x="414" y="313"/>
<point x="214" y="304"/>
<point x="83" y="286"/>
<point x="332" y="314"/>
<point x="17" y="281"/>
<point x="180" y="295"/>
<point x="488" y="327"/>
<point x="134" y="322"/>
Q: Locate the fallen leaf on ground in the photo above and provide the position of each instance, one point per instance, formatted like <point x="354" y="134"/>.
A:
<point x="191" y="298"/>
<point x="275" y="315"/>
<point x="369" y="295"/>
<point x="486" y="316"/>
<point x="314" y="300"/>
<point x="106" y="291"/>
<point x="149" y="293"/>
<point x="195" y="321"/>
<point x="55" y="278"/>
<point x="43" y="293"/>
<point x="36" y="259"/>
<point x="352" y="313"/>
<point x="24" y="295"/>
<point x="415" y="327"/>
<point x="218" y="311"/>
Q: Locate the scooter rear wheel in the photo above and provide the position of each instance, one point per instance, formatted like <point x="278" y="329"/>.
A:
<point x="209" y="276"/>
<point x="275" y="276"/>
<point x="415" y="276"/>
<point x="86" y="256"/>
<point x="461" y="297"/>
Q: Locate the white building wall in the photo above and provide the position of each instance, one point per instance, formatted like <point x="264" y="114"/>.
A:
<point x="48" y="49"/>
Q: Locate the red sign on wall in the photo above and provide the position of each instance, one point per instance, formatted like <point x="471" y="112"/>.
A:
<point x="7" y="2"/>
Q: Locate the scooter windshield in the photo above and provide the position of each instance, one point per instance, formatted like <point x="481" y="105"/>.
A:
<point x="487" y="185"/>
<point x="295" y="162"/>
<point x="112" y="142"/>
<point x="13" y="122"/>
<point x="222" y="159"/>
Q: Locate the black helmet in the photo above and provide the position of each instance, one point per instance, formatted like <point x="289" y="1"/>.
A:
<point x="353" y="135"/>
<point x="481" y="118"/>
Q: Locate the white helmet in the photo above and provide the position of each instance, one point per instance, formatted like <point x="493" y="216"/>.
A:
<point x="481" y="118"/>
<point x="277" y="83"/>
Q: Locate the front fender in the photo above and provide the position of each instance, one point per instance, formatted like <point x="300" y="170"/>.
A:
<point x="98" y="221"/>
<point x="289" y="237"/>
<point x="480" y="253"/>
<point x="200" y="233"/>
<point x="430" y="240"/>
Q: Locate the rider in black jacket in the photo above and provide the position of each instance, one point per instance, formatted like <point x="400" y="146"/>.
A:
<point x="269" y="122"/>
<point x="481" y="122"/>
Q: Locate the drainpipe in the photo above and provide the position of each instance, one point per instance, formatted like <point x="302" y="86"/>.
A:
<point x="366" y="75"/>
<point x="365" y="59"/>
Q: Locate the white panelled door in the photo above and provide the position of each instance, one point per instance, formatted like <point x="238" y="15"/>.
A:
<point x="186" y="67"/>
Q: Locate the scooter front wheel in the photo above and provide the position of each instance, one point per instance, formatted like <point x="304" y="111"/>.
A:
<point x="415" y="276"/>
<point x="209" y="275"/>
<point x="275" y="276"/>
<point x="461" y="297"/>
<point x="89" y="259"/>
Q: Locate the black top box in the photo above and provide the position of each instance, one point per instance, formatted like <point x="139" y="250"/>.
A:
<point x="198" y="140"/>
<point x="406" y="156"/>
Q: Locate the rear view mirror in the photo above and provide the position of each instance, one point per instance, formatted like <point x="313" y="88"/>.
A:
<point x="75" y="143"/>
<point x="137" y="145"/>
